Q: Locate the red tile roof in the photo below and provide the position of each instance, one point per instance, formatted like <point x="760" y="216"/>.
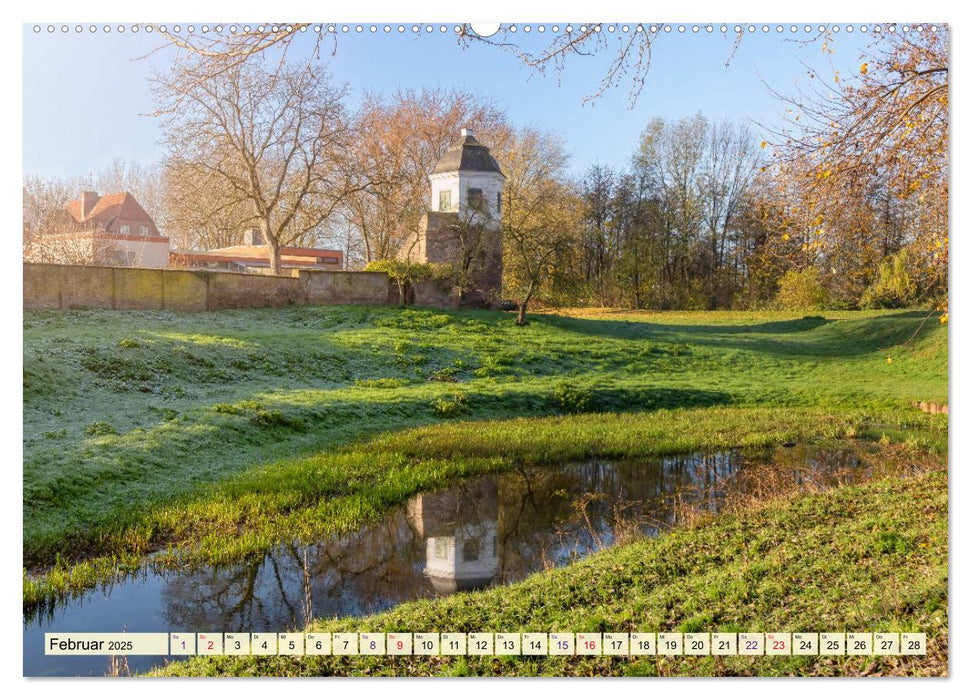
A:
<point x="110" y="210"/>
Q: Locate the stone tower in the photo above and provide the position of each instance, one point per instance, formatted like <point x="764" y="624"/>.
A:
<point x="462" y="227"/>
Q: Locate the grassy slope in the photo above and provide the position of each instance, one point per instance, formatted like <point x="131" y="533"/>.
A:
<point x="865" y="558"/>
<point x="131" y="418"/>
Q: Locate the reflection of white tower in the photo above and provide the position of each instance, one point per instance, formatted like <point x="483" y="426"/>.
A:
<point x="467" y="559"/>
<point x="460" y="529"/>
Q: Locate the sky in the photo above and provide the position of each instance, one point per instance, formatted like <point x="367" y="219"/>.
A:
<point x="88" y="100"/>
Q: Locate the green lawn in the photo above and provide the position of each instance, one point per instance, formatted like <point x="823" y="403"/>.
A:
<point x="862" y="558"/>
<point x="215" y="434"/>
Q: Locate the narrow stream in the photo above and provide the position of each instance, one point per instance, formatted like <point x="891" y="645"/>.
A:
<point x="482" y="532"/>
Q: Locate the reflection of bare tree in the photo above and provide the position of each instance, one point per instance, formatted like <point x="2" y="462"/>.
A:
<point x="308" y="598"/>
<point x="490" y="530"/>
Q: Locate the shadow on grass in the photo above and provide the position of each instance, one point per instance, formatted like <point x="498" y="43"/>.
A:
<point x="619" y="400"/>
<point x="811" y="335"/>
<point x="130" y="472"/>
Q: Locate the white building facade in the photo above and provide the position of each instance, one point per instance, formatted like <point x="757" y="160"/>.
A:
<point x="468" y="181"/>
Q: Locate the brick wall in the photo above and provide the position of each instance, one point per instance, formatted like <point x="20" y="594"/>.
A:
<point x="348" y="287"/>
<point x="88" y="287"/>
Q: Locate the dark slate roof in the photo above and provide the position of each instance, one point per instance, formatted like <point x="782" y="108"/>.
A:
<point x="467" y="154"/>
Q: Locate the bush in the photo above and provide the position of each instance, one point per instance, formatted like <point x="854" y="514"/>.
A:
<point x="402" y="272"/>
<point x="99" y="427"/>
<point x="802" y="290"/>
<point x="571" y="398"/>
<point x="446" y="408"/>
<point x="893" y="287"/>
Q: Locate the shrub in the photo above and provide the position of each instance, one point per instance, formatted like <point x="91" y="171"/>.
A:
<point x="402" y="272"/>
<point x="448" y="408"/>
<point x="571" y="398"/>
<point x="99" y="427"/>
<point x="893" y="287"/>
<point x="802" y="290"/>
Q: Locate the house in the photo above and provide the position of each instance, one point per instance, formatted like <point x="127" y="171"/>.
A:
<point x="110" y="229"/>
<point x="254" y="256"/>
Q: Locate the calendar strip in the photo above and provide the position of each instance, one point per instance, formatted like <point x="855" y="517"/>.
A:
<point x="579" y="644"/>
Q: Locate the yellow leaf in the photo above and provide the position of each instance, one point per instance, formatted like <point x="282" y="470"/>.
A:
<point x="889" y="360"/>
<point x="863" y="69"/>
<point x="764" y="144"/>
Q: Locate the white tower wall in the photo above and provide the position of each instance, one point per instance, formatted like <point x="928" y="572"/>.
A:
<point x="459" y="183"/>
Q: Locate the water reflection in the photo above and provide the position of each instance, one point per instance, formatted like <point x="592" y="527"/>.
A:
<point x="460" y="530"/>
<point x="488" y="531"/>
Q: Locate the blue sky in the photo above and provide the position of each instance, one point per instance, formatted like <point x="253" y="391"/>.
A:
<point x="87" y="96"/>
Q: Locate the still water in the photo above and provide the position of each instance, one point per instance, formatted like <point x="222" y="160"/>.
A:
<point x="482" y="532"/>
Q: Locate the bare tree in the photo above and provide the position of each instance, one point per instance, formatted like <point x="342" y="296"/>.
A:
<point x="540" y="215"/>
<point x="401" y="141"/>
<point x="44" y="213"/>
<point x="629" y="46"/>
<point x="201" y="213"/>
<point x="277" y="140"/>
<point x="230" y="47"/>
<point x="882" y="129"/>
<point x="728" y="167"/>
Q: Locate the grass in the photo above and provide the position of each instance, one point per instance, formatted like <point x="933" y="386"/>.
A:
<point x="210" y="436"/>
<point x="861" y="558"/>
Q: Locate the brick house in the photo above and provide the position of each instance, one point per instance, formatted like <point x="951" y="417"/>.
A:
<point x="110" y="229"/>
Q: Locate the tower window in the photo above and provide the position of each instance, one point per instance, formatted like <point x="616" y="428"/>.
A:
<point x="445" y="200"/>
<point x="498" y="202"/>
<point x="470" y="550"/>
<point x="475" y="199"/>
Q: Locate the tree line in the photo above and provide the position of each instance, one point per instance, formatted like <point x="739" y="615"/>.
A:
<point x="845" y="206"/>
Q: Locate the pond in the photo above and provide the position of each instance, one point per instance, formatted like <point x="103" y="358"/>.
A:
<point x="482" y="532"/>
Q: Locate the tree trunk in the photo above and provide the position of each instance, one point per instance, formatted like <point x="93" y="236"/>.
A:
<point x="521" y="311"/>
<point x="276" y="258"/>
<point x="521" y="314"/>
